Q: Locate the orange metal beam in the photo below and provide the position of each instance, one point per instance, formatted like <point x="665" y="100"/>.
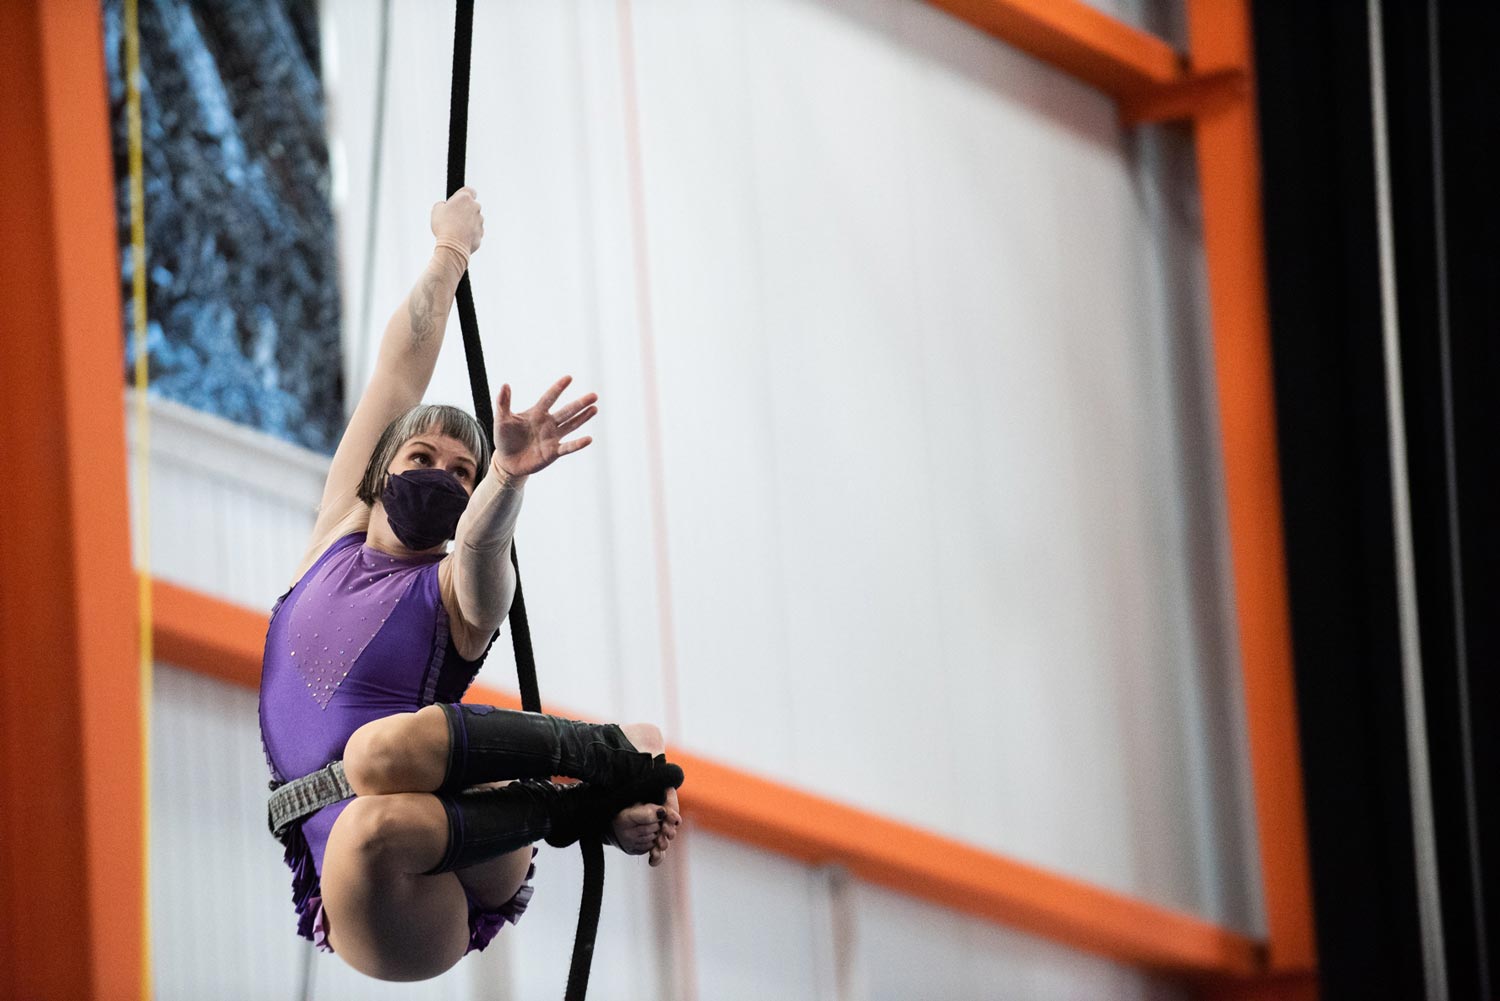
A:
<point x="1083" y="42"/>
<point x="70" y="821"/>
<point x="208" y="635"/>
<point x="1229" y="176"/>
<point x="1200" y="94"/>
<point x="1275" y="987"/>
<point x="224" y="641"/>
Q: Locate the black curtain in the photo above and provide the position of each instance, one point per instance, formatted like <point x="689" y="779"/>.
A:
<point x="1315" y="75"/>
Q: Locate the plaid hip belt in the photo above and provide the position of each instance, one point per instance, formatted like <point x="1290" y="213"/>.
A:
<point x="299" y="798"/>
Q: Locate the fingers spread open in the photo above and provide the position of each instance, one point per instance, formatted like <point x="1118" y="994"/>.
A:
<point x="550" y="396"/>
<point x="503" y="404"/>
<point x="565" y="414"/>
<point x="576" y="421"/>
<point x="573" y="446"/>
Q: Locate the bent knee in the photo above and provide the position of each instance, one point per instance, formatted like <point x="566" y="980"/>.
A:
<point x="366" y="830"/>
<point x="407" y="752"/>
<point x="391" y="832"/>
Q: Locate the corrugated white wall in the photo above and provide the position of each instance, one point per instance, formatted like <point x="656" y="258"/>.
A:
<point x="921" y="330"/>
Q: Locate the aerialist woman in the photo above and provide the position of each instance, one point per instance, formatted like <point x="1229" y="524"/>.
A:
<point x="408" y="819"/>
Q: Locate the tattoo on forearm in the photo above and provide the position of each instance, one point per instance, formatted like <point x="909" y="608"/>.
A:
<point x="420" y="310"/>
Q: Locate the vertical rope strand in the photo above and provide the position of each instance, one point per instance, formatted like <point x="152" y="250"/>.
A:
<point x="142" y="460"/>
<point x="1418" y="753"/>
<point x="520" y="630"/>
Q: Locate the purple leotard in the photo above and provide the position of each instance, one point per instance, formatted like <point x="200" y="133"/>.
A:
<point x="361" y="636"/>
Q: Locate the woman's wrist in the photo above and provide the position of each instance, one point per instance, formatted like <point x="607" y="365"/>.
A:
<point x="505" y="479"/>
<point x="452" y="252"/>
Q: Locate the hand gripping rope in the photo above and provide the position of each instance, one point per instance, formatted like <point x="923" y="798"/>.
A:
<point x="520" y="632"/>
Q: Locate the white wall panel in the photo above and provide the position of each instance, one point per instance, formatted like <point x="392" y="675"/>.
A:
<point x="923" y="456"/>
<point x="764" y="927"/>
<point x="231" y="509"/>
<point x="760" y="925"/>
<point x="905" y="949"/>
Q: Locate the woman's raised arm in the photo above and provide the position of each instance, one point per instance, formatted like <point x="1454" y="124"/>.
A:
<point x="408" y="353"/>
<point x="477" y="581"/>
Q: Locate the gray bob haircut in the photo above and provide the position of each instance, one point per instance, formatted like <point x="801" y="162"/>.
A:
<point x="423" y="419"/>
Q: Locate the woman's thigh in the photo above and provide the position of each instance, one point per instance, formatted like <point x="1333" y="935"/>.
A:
<point x="384" y="918"/>
<point x="493" y="883"/>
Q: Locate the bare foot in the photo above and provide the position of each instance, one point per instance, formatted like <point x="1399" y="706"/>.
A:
<point x="670" y="825"/>
<point x="645" y="737"/>
<point x="647" y="827"/>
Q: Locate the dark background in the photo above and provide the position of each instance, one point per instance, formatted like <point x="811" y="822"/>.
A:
<point x="1314" y="70"/>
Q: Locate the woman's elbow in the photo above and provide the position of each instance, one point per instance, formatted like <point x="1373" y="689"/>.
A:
<point x="485" y="610"/>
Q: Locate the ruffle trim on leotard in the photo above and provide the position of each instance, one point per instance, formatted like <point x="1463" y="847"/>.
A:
<point x="312" y="921"/>
<point x="485" y="922"/>
<point x="307" y="888"/>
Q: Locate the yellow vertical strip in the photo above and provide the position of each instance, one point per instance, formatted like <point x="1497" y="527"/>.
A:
<point x="142" y="457"/>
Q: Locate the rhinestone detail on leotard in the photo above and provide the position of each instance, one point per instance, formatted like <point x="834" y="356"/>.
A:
<point x="341" y="610"/>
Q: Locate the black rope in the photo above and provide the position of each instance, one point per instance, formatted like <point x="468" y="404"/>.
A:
<point x="458" y="100"/>
<point x="520" y="630"/>
<point x="520" y="641"/>
<point x="458" y="153"/>
<point x="588" y="918"/>
<point x="468" y="321"/>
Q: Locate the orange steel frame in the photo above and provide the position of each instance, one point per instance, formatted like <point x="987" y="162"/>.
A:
<point x="70" y="834"/>
<point x="69" y="616"/>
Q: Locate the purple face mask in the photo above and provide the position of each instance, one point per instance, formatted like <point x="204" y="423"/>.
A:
<point x="423" y="506"/>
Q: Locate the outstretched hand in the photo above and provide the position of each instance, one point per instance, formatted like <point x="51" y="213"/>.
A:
<point x="530" y="441"/>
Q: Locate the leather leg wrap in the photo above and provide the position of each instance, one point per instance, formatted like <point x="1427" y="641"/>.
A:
<point x="486" y="744"/>
<point x="486" y="823"/>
